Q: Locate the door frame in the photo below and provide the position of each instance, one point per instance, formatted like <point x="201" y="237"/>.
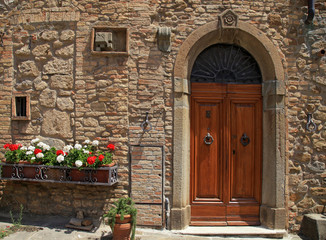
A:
<point x="272" y="213"/>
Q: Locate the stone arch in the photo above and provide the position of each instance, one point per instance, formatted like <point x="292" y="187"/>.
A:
<point x="273" y="212"/>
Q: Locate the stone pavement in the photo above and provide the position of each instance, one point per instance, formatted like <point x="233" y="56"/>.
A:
<point x="53" y="228"/>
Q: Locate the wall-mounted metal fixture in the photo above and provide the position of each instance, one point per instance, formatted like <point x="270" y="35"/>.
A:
<point x="30" y="38"/>
<point x="208" y="139"/>
<point x="1" y="38"/>
<point x="322" y="53"/>
<point x="245" y="140"/>
<point x="146" y="125"/>
<point x="164" y="39"/>
<point x="311" y="12"/>
<point x="311" y="126"/>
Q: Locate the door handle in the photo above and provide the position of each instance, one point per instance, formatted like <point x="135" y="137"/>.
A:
<point x="208" y="139"/>
<point x="245" y="140"/>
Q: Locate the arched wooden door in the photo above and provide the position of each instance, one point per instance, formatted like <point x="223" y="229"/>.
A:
<point x="226" y="137"/>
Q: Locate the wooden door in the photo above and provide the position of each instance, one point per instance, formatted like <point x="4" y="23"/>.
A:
<point x="225" y="154"/>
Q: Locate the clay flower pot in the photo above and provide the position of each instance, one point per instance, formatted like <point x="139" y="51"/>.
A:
<point x="122" y="228"/>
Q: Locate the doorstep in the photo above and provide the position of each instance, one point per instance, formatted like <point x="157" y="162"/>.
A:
<point x="234" y="231"/>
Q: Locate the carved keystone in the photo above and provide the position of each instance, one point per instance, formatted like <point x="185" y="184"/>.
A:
<point x="228" y="19"/>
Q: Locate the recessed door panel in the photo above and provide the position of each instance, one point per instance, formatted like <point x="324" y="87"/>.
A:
<point x="207" y="127"/>
<point x="243" y="149"/>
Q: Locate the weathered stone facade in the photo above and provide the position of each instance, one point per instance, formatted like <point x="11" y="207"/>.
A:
<point x="76" y="95"/>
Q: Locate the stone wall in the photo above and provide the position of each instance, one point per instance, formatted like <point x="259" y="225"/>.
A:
<point x="306" y="150"/>
<point x="76" y="95"/>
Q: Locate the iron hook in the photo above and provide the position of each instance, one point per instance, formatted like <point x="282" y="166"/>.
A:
<point x="311" y="126"/>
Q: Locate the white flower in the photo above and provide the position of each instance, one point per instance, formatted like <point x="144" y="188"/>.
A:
<point x="87" y="141"/>
<point x="41" y="144"/>
<point x="31" y="148"/>
<point x="33" y="158"/>
<point x="36" y="140"/>
<point x="23" y="148"/>
<point x="67" y="148"/>
<point x="46" y="147"/>
<point x="85" y="146"/>
<point x="29" y="152"/>
<point x="78" y="146"/>
<point x="60" y="158"/>
<point x="86" y="151"/>
<point x="95" y="143"/>
<point x="39" y="155"/>
<point x="78" y="163"/>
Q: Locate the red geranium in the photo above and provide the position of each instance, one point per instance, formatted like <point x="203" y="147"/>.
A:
<point x="101" y="157"/>
<point x="91" y="160"/>
<point x="111" y="146"/>
<point x="36" y="151"/>
<point x="6" y="146"/>
<point x="61" y="152"/>
<point x="14" y="147"/>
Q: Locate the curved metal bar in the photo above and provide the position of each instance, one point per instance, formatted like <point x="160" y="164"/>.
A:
<point x="245" y="140"/>
<point x="66" y="175"/>
<point x="41" y="173"/>
<point x="146" y="125"/>
<point x="17" y="172"/>
<point x="90" y="177"/>
<point x="208" y="139"/>
<point x="311" y="126"/>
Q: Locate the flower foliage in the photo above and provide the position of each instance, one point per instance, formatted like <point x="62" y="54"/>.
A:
<point x="86" y="155"/>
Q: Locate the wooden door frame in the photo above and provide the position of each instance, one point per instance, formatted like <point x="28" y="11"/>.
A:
<point x="273" y="213"/>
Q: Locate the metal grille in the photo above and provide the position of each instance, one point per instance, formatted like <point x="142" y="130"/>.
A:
<point x="225" y="63"/>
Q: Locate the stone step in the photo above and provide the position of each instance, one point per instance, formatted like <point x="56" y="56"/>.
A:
<point x="234" y="231"/>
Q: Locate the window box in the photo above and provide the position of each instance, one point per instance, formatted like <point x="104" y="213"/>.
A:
<point x="43" y="173"/>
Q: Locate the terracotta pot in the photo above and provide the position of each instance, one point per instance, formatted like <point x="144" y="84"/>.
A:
<point x="122" y="228"/>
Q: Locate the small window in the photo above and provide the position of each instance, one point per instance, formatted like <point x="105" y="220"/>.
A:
<point x="20" y="107"/>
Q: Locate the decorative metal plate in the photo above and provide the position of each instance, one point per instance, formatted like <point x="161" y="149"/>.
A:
<point x="225" y="63"/>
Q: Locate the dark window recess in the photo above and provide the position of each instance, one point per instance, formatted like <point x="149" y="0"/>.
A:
<point x="20" y="106"/>
<point x="225" y="63"/>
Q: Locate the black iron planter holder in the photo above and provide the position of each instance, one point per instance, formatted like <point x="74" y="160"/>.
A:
<point x="58" y="174"/>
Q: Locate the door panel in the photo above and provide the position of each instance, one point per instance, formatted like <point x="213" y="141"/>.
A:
<point x="207" y="119"/>
<point x="243" y="128"/>
<point x="226" y="174"/>
<point x="206" y="194"/>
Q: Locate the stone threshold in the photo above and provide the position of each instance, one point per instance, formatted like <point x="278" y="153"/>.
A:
<point x="234" y="231"/>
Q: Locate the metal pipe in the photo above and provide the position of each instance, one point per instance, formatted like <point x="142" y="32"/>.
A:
<point x="167" y="212"/>
<point x="311" y="11"/>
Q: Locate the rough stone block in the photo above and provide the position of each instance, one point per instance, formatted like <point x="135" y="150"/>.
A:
<point x="313" y="226"/>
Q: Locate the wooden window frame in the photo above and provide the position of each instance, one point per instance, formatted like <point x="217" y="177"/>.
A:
<point x="28" y="107"/>
<point x="112" y="29"/>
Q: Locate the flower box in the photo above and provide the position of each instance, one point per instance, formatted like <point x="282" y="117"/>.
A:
<point x="107" y="175"/>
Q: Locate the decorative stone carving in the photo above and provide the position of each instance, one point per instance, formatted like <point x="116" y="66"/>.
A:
<point x="164" y="39"/>
<point x="228" y="19"/>
<point x="103" y="41"/>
